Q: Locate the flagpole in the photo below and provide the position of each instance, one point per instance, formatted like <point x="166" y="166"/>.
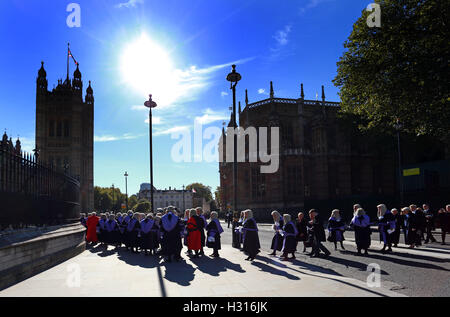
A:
<point x="68" y="50"/>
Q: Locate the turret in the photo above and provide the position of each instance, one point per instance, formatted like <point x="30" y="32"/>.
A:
<point x="41" y="82"/>
<point x="76" y="82"/>
<point x="89" y="95"/>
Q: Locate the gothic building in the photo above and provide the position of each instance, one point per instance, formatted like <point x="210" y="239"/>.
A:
<point x="324" y="160"/>
<point x="65" y="130"/>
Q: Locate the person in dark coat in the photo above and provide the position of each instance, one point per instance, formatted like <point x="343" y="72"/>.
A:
<point x="361" y="224"/>
<point x="236" y="235"/>
<point x="336" y="228"/>
<point x="420" y="222"/>
<point x="386" y="227"/>
<point x="277" y="240"/>
<point x="443" y="218"/>
<point x="102" y="229"/>
<point x="302" y="229"/>
<point x="131" y="233"/>
<point x="147" y="242"/>
<point x="410" y="225"/>
<point x="112" y="231"/>
<point x="429" y="223"/>
<point x="214" y="230"/>
<point x="83" y="220"/>
<point x="184" y="222"/>
<point x="289" y="238"/>
<point x="171" y="229"/>
<point x="250" y="236"/>
<point x="398" y="225"/>
<point x="201" y="224"/>
<point x="317" y="232"/>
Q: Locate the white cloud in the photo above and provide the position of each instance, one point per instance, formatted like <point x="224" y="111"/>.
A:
<point x="262" y="92"/>
<point x="171" y="130"/>
<point x="224" y="94"/>
<point x="112" y="138"/>
<point x="281" y="36"/>
<point x="129" y="4"/>
<point x="312" y="4"/>
<point x="155" y="120"/>
<point x="210" y="116"/>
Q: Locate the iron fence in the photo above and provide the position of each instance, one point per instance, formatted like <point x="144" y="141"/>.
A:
<point x="35" y="193"/>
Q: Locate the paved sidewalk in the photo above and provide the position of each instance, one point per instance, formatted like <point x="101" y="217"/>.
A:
<point x="122" y="274"/>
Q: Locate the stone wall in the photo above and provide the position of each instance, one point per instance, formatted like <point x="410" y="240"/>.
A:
<point x="24" y="259"/>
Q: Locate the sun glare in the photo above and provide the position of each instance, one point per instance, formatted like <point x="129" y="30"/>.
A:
<point x="147" y="68"/>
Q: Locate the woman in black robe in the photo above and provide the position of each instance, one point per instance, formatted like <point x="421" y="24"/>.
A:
<point x="395" y="237"/>
<point x="171" y="230"/>
<point x="277" y="240"/>
<point x="236" y="241"/>
<point x="289" y="238"/>
<point x="131" y="233"/>
<point x="386" y="227"/>
<point x="112" y="231"/>
<point x="361" y="224"/>
<point x="443" y="219"/>
<point x="214" y="230"/>
<point x="146" y="239"/>
<point x="250" y="236"/>
<point x="410" y="228"/>
<point x="302" y="229"/>
<point x="336" y="228"/>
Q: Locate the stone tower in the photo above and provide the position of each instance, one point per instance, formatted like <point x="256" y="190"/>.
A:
<point x="65" y="130"/>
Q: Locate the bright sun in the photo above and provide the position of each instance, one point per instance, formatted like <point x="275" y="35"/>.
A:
<point x="147" y="68"/>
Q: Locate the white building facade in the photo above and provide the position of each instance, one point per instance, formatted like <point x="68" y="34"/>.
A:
<point x="181" y="199"/>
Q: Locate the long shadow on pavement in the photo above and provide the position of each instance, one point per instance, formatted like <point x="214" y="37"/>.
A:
<point x="181" y="272"/>
<point x="213" y="266"/>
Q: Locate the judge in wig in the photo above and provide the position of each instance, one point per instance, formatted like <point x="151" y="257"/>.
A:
<point x="131" y="234"/>
<point x="290" y="233"/>
<point x="250" y="236"/>
<point x="201" y="225"/>
<point x="171" y="236"/>
<point x="147" y="240"/>
<point x="336" y="228"/>
<point x="386" y="227"/>
<point x="277" y="240"/>
<point x="361" y="225"/>
<point x="214" y="230"/>
<point x="112" y="232"/>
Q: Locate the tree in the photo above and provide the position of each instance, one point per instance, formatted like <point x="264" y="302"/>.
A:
<point x="202" y="191"/>
<point x="400" y="70"/>
<point x="132" y="201"/>
<point x="143" y="206"/>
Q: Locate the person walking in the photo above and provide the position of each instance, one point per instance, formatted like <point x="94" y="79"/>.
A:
<point x="290" y="233"/>
<point x="361" y="224"/>
<point x="251" y="245"/>
<point x="317" y="231"/>
<point x="277" y="240"/>
<point x="336" y="228"/>
<point x="214" y="230"/>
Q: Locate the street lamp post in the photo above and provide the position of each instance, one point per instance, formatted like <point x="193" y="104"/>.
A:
<point x="126" y="187"/>
<point x="234" y="77"/>
<point x="398" y="126"/>
<point x="113" y="188"/>
<point x="184" y="205"/>
<point x="151" y="104"/>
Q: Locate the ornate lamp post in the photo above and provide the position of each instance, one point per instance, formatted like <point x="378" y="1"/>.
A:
<point x="398" y="126"/>
<point x="126" y="187"/>
<point x="151" y="104"/>
<point x="234" y="77"/>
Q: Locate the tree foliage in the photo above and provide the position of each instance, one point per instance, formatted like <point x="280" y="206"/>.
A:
<point x="400" y="70"/>
<point x="203" y="191"/>
<point x="143" y="206"/>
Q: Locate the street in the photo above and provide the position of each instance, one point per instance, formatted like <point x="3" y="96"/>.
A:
<point x="420" y="272"/>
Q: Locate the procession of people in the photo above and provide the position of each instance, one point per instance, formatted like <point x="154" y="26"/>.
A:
<point x="165" y="232"/>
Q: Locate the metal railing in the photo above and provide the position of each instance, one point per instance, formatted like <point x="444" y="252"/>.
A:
<point x="33" y="193"/>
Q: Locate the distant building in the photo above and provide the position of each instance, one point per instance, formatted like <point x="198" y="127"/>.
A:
<point x="65" y="130"/>
<point x="181" y="199"/>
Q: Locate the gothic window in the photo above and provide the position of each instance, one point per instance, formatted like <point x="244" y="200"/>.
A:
<point x="51" y="128"/>
<point x="66" y="128"/>
<point x="59" y="129"/>
<point x="293" y="179"/>
<point x="258" y="184"/>
<point x="288" y="135"/>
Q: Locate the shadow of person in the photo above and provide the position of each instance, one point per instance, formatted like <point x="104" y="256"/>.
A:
<point x="181" y="272"/>
<point x="135" y="259"/>
<point x="213" y="266"/>
<point x="272" y="270"/>
<point x="96" y="248"/>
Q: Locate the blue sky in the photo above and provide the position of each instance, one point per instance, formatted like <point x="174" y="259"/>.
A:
<point x="192" y="44"/>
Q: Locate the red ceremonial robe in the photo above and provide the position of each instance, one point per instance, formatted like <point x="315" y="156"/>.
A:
<point x="92" y="223"/>
<point x="194" y="238"/>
